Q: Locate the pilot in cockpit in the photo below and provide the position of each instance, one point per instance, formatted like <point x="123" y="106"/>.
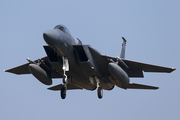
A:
<point x="62" y="28"/>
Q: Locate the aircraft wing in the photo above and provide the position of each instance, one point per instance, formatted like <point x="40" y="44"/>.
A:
<point x="24" y="69"/>
<point x="133" y="66"/>
<point x="147" y="67"/>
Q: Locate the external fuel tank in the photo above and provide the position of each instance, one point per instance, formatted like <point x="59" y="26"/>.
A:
<point x="121" y="77"/>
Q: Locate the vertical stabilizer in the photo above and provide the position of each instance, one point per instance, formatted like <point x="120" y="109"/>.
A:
<point x="122" y="54"/>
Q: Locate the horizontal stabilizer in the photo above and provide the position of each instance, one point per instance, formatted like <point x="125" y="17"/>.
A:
<point x="69" y="87"/>
<point x="140" y="86"/>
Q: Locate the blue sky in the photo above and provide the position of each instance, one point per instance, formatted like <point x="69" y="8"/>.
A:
<point x="152" y="30"/>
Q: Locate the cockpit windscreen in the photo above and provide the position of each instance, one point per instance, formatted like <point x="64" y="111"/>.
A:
<point x="62" y="28"/>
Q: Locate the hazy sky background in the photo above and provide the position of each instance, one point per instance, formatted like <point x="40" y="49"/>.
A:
<point x="152" y="30"/>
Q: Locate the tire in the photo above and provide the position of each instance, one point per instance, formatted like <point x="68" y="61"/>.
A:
<point x="100" y="92"/>
<point x="63" y="92"/>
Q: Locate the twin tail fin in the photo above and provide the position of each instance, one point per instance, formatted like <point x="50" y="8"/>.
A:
<point x="122" y="54"/>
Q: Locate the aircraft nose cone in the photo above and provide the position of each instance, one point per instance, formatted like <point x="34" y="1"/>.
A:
<point x="51" y="37"/>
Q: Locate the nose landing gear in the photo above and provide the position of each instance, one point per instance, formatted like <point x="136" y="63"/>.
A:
<point x="65" y="78"/>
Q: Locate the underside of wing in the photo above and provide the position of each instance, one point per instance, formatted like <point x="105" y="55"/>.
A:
<point x="24" y="69"/>
<point x="129" y="71"/>
<point x="135" y="69"/>
<point x="133" y="65"/>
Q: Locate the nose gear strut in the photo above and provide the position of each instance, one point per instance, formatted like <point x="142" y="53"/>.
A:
<point x="65" y="78"/>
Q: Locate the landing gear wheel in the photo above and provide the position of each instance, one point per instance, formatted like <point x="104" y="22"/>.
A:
<point x="100" y="92"/>
<point x="63" y="92"/>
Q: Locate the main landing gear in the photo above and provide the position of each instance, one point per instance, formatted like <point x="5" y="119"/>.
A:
<point x="100" y="92"/>
<point x="65" y="78"/>
<point x="63" y="92"/>
<point x="99" y="89"/>
<point x="65" y="81"/>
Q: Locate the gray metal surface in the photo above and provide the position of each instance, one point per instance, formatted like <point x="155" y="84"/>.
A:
<point x="87" y="68"/>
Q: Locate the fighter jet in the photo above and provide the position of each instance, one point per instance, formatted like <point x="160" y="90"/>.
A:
<point x="83" y="67"/>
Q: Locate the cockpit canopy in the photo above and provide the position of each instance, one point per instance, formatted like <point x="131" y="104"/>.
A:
<point x="62" y="28"/>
